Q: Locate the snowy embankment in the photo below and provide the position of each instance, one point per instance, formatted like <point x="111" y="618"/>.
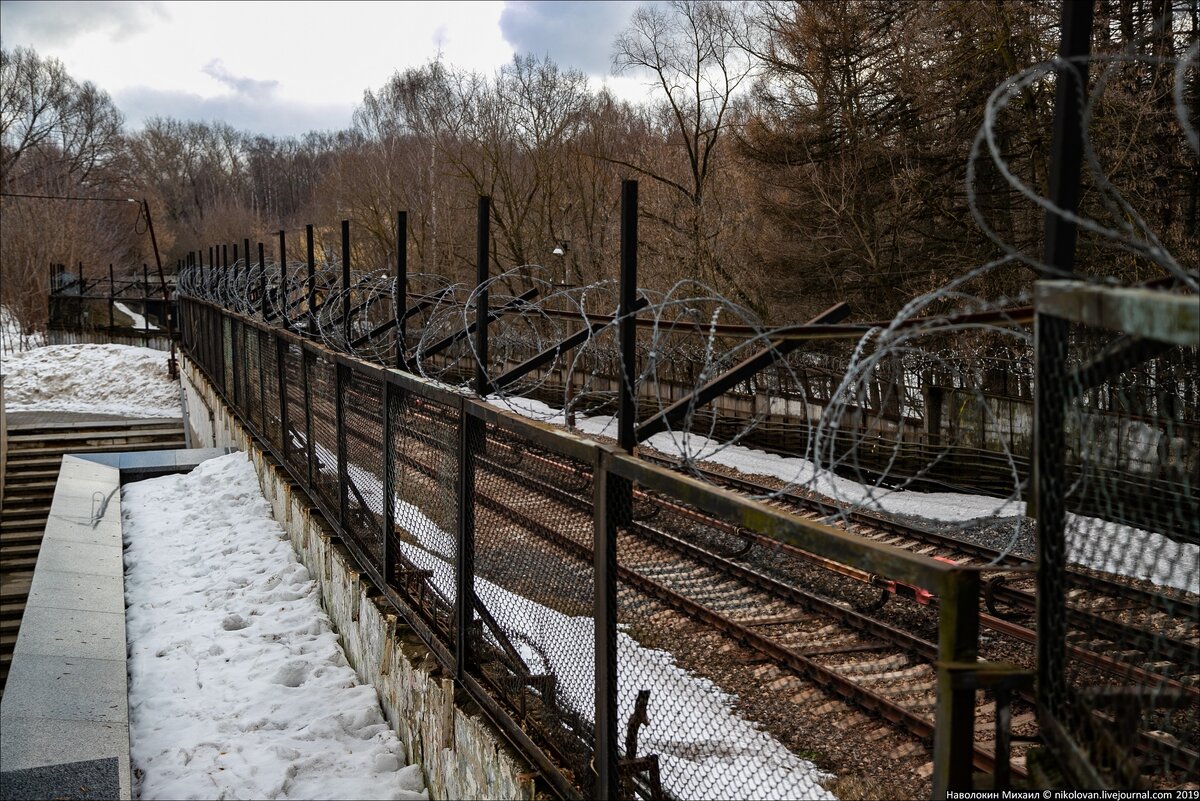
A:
<point x="1091" y="542"/>
<point x="106" y="379"/>
<point x="237" y="685"/>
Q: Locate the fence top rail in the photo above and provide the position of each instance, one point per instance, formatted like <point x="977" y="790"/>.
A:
<point x="540" y="434"/>
<point x="1146" y="313"/>
<point x="815" y="538"/>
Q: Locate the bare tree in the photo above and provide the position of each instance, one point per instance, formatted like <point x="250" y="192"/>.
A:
<point x="691" y="51"/>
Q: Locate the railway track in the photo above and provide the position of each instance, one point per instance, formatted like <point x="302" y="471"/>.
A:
<point x="1146" y="634"/>
<point x="877" y="666"/>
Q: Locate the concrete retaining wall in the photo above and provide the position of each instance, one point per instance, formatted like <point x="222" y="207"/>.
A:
<point x="461" y="754"/>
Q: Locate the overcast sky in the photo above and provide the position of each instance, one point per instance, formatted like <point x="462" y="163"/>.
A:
<point x="286" y="68"/>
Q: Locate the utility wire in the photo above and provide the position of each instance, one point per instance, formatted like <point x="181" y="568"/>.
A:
<point x="69" y="197"/>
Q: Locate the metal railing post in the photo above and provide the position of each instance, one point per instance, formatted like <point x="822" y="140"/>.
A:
<point x="401" y="301"/>
<point x="607" y="490"/>
<point x="339" y="390"/>
<point x="281" y="352"/>
<point x="346" y="280"/>
<point x="627" y="327"/>
<point x="954" y="721"/>
<point x="464" y="564"/>
<point x="312" y="274"/>
<point x="262" y="280"/>
<point x="390" y="411"/>
<point x="112" y="285"/>
<point x="1050" y="343"/>
<point x="482" y="241"/>
<point x="283" y="301"/>
<point x="308" y="420"/>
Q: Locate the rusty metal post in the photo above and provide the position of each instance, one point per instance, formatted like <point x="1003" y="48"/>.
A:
<point x="282" y="291"/>
<point x="607" y="490"/>
<point x="1050" y="338"/>
<point x="954" y="721"/>
<point x="401" y="302"/>
<point x="482" y="241"/>
<point x="469" y="427"/>
<point x="391" y="410"/>
<point x="262" y="279"/>
<point x="346" y="280"/>
<point x="627" y="327"/>
<point x="312" y="273"/>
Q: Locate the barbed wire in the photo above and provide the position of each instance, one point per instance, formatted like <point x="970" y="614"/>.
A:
<point x="852" y="420"/>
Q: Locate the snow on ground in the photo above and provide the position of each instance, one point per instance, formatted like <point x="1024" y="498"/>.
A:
<point x="12" y="338"/>
<point x="107" y="379"/>
<point x="138" y="320"/>
<point x="1091" y="542"/>
<point x="237" y="685"/>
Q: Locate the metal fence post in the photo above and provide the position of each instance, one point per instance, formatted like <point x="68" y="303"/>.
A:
<point x="283" y="301"/>
<point x="281" y="353"/>
<point x="626" y="411"/>
<point x="390" y="410"/>
<point x="339" y="391"/>
<point x="401" y="302"/>
<point x="312" y="273"/>
<point x="112" y="288"/>
<point x="308" y="419"/>
<point x="954" y="721"/>
<point x="607" y="490"/>
<point x="262" y="279"/>
<point x="346" y="280"/>
<point x="1050" y="337"/>
<point x="482" y="240"/>
<point x="464" y="596"/>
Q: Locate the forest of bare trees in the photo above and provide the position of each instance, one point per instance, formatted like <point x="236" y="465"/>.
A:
<point x="796" y="153"/>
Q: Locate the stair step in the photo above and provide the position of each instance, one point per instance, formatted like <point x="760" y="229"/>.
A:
<point x="35" y="459"/>
<point x="27" y="523"/>
<point x="16" y="483"/>
<point x="140" y="423"/>
<point x="44" y="457"/>
<point x="9" y="539"/>
<point x="20" y="499"/>
<point x="16" y="586"/>
<point x="30" y="474"/>
<point x="66" y="440"/>
<point x="15" y="516"/>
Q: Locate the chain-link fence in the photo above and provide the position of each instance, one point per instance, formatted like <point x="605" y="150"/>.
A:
<point x="586" y="599"/>
<point x="1119" y="619"/>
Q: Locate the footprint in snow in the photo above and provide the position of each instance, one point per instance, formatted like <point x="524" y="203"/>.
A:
<point x="234" y="623"/>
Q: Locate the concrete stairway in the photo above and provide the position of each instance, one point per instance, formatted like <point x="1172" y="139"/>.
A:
<point x="35" y="450"/>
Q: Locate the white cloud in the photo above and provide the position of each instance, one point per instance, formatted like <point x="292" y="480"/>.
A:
<point x="287" y="67"/>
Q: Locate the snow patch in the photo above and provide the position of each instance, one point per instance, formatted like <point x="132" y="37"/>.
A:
<point x="138" y="320"/>
<point x="1091" y="542"/>
<point x="106" y="379"/>
<point x="238" y="687"/>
